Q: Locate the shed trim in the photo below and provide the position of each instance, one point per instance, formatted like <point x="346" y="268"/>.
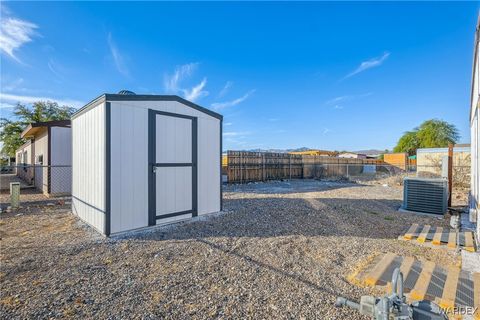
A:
<point x="49" y="160"/>
<point x="144" y="97"/>
<point x="108" y="186"/>
<point x="152" y="164"/>
<point x="221" y="156"/>
<point x="174" y="214"/>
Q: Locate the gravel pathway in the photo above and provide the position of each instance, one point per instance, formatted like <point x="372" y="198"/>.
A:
<point x="281" y="250"/>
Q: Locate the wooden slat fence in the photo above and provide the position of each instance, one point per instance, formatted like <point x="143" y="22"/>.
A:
<point x="262" y="166"/>
<point x="245" y="166"/>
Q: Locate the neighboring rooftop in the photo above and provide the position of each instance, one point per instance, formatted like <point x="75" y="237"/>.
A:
<point x="34" y="127"/>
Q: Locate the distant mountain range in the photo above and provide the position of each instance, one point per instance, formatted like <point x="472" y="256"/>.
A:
<point x="280" y="150"/>
<point x="370" y="152"/>
<point x="367" y="152"/>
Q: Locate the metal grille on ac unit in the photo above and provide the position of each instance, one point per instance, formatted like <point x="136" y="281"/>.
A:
<point x="425" y="195"/>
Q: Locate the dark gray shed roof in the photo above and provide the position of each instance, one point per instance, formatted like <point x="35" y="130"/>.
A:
<point x="143" y="97"/>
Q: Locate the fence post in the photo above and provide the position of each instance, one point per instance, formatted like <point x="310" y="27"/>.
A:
<point x="14" y="194"/>
<point x="347" y="171"/>
<point x="450" y="173"/>
<point x="263" y="167"/>
<point x="290" y="166"/>
<point x="241" y="168"/>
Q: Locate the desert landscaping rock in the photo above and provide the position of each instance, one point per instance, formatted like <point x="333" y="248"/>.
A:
<point x="281" y="250"/>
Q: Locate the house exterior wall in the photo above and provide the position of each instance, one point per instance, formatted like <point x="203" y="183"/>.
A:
<point x="88" y="166"/>
<point x="23" y="170"/>
<point x="475" y="175"/>
<point x="129" y="161"/>
<point x="475" y="135"/>
<point x="61" y="160"/>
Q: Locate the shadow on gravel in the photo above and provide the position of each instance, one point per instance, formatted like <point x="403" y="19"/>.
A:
<point x="291" y="186"/>
<point x="275" y="217"/>
<point x="263" y="265"/>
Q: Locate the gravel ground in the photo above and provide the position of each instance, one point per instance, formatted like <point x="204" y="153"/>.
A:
<point x="281" y="250"/>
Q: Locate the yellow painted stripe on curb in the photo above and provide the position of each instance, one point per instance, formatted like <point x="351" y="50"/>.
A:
<point x="437" y="238"/>
<point x="412" y="232"/>
<point x="372" y="277"/>
<point x="450" y="288"/>
<point x="423" y="235"/>
<point x="452" y="239"/>
<point x="476" y="291"/>
<point x="406" y="266"/>
<point x="476" y="316"/>
<point x="421" y="286"/>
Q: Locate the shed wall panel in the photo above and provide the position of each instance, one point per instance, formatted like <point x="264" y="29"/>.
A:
<point x="174" y="189"/>
<point x="209" y="166"/>
<point x="174" y="140"/>
<point x="88" y="167"/>
<point x="129" y="168"/>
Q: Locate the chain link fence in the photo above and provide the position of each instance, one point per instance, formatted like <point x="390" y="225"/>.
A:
<point x="348" y="171"/>
<point x="53" y="180"/>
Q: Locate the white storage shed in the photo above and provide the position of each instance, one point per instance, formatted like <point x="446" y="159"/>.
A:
<point x="144" y="160"/>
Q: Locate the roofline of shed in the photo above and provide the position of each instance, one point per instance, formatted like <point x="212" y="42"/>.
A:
<point x="143" y="97"/>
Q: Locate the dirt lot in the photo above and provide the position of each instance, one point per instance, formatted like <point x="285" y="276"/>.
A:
<point x="280" y="251"/>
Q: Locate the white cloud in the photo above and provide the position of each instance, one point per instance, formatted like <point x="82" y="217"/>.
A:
<point x="14" y="33"/>
<point x="118" y="58"/>
<point x="226" y="124"/>
<point x="171" y="82"/>
<point x="12" y="99"/>
<point x="365" y="65"/>
<point x="336" y="100"/>
<point x="326" y="130"/>
<point x="53" y="67"/>
<point x="6" y="105"/>
<point x="12" y="85"/>
<point x="337" y="107"/>
<point x="236" y="133"/>
<point x="226" y="104"/>
<point x="197" y="91"/>
<point x="225" y="89"/>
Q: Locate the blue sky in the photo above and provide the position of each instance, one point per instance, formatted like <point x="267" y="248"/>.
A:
<point x="339" y="76"/>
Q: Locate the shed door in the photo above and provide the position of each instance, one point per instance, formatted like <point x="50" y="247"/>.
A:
<point x="173" y="165"/>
